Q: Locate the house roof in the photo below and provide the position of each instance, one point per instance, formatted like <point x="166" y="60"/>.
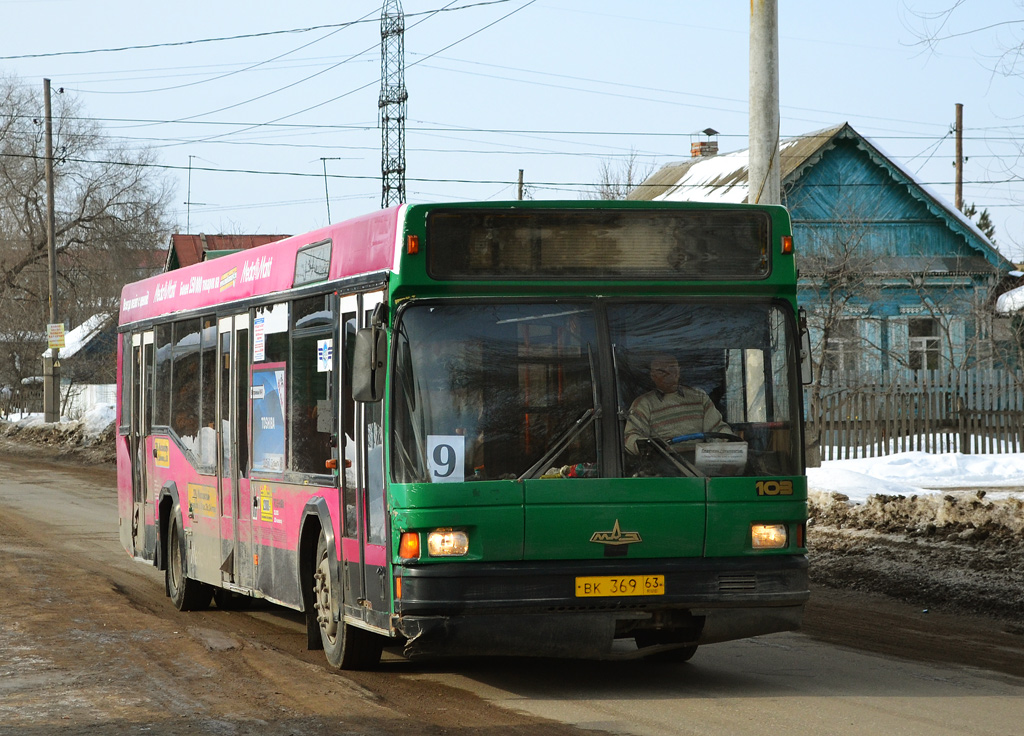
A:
<point x="186" y="250"/>
<point x="723" y="178"/>
<point x="81" y="336"/>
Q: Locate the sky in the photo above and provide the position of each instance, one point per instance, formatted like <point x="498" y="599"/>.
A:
<point x="264" y="116"/>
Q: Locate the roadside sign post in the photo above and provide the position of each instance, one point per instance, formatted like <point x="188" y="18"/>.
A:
<point x="51" y="372"/>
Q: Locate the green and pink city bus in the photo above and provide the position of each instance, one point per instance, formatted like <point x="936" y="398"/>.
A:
<point x="410" y="427"/>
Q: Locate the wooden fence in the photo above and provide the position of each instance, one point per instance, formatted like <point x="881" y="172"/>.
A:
<point x="974" y="412"/>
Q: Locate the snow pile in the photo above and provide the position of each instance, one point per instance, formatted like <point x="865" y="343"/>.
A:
<point x="967" y="517"/>
<point x="97" y="420"/>
<point x="91" y="437"/>
<point x="949" y="497"/>
<point x="910" y="473"/>
<point x="941" y="531"/>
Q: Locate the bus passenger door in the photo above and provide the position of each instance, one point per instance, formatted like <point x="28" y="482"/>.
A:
<point x="364" y="560"/>
<point x="351" y="504"/>
<point x="141" y="391"/>
<point x="232" y="451"/>
<point x="376" y="581"/>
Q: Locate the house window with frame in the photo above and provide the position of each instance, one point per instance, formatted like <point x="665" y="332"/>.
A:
<point x="842" y="346"/>
<point x="925" y="350"/>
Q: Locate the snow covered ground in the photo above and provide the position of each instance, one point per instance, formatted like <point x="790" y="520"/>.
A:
<point x="93" y="423"/>
<point x="917" y="473"/>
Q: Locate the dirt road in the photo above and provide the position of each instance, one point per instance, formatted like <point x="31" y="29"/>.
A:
<point x="90" y="645"/>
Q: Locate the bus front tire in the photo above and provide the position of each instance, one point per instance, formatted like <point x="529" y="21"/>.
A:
<point x="347" y="647"/>
<point x="186" y="594"/>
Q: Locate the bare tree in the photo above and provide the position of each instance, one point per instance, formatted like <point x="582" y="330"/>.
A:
<point x="839" y="282"/>
<point x="933" y="28"/>
<point x="618" y="179"/>
<point x="111" y="213"/>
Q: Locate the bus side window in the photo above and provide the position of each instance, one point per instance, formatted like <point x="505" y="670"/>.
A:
<point x="206" y="451"/>
<point x="310" y="447"/>
<point x="312" y="332"/>
<point x="185" y="382"/>
<point x="162" y="377"/>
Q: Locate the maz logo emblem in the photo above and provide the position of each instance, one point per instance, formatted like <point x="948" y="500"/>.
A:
<point x="616" y="536"/>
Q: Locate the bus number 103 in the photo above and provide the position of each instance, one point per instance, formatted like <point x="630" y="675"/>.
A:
<point x="774" y="487"/>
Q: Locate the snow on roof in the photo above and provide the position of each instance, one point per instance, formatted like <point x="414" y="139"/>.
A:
<point x="723" y="178"/>
<point x="79" y="337"/>
<point x="1011" y="301"/>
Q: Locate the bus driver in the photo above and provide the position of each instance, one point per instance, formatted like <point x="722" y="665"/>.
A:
<point x="670" y="409"/>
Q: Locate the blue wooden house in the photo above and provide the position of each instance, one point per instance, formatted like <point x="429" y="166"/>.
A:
<point x="893" y="277"/>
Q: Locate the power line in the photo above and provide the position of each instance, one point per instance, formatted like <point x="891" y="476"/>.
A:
<point x="357" y="89"/>
<point x="218" y="39"/>
<point x="240" y="71"/>
<point x="438" y="180"/>
<point x="429" y="126"/>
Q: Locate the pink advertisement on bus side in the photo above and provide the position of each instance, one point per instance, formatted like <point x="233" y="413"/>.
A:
<point x="363" y="245"/>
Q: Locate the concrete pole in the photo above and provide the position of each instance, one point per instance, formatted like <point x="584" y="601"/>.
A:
<point x="958" y="193"/>
<point x="51" y="366"/>
<point x="765" y="178"/>
<point x="519" y="190"/>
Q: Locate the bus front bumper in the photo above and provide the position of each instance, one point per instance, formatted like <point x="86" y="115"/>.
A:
<point x="531" y="608"/>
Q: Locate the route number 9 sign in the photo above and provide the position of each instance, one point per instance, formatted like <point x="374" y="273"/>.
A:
<point x="446" y="458"/>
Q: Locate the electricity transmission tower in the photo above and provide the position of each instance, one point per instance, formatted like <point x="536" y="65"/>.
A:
<point x="391" y="103"/>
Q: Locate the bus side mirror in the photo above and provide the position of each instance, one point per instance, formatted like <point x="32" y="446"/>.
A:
<point x="368" y="365"/>
<point x="806" y="369"/>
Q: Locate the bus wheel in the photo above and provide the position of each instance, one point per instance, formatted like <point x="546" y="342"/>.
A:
<point x="186" y="594"/>
<point x="347" y="647"/>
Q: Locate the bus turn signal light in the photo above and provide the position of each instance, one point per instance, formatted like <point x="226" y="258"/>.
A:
<point x="787" y="245"/>
<point x="409" y="546"/>
<point x="412" y="244"/>
<point x="768" y="536"/>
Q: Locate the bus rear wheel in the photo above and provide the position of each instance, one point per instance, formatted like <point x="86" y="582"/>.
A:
<point x="347" y="647"/>
<point x="186" y="594"/>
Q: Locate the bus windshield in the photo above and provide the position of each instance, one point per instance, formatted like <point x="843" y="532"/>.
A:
<point x="492" y="391"/>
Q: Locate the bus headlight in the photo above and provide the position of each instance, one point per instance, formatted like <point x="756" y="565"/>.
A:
<point x="447" y="543"/>
<point x="768" y="536"/>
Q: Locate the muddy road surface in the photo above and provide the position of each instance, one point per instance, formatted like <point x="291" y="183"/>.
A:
<point x="89" y="644"/>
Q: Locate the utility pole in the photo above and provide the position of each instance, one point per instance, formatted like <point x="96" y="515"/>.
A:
<point x="520" y="190"/>
<point x="327" y="192"/>
<point x="51" y="364"/>
<point x="958" y="194"/>
<point x="392" y="102"/>
<point x="764" y="178"/>
<point x="188" y="199"/>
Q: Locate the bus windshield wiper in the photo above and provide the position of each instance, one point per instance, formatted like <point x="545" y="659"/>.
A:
<point x="586" y="419"/>
<point x="681" y="463"/>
